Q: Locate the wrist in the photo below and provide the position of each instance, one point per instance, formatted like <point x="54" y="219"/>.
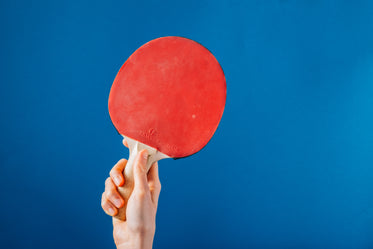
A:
<point x="138" y="241"/>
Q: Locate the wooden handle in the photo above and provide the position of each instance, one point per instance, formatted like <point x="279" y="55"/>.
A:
<point x="126" y="190"/>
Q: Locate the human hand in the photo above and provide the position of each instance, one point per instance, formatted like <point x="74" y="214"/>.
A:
<point x="139" y="228"/>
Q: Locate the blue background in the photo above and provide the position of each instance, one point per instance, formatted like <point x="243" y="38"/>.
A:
<point x="290" y="166"/>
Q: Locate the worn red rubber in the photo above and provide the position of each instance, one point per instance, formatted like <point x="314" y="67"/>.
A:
<point x="170" y="94"/>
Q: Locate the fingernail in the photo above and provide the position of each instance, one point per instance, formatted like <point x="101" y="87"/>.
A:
<point x="111" y="211"/>
<point x="117" y="203"/>
<point x="117" y="180"/>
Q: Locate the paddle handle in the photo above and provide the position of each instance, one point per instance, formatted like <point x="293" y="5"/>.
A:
<point x="126" y="190"/>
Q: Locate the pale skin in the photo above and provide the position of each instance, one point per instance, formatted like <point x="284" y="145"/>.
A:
<point x="137" y="232"/>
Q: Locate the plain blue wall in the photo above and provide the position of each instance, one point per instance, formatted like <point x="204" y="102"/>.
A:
<point x="290" y="166"/>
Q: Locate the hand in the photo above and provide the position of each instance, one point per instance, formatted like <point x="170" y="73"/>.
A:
<point x="139" y="228"/>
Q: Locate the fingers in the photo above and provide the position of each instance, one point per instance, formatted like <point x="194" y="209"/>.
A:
<point x="107" y="206"/>
<point x="141" y="183"/>
<point x="116" y="172"/>
<point x="112" y="194"/>
<point x="154" y="183"/>
<point x="111" y="199"/>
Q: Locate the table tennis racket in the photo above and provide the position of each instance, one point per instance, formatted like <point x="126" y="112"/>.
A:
<point x="168" y="98"/>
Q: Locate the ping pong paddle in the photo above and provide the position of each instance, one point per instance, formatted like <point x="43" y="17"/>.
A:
<point x="168" y="98"/>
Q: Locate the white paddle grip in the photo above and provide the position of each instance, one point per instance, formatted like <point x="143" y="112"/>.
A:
<point x="126" y="190"/>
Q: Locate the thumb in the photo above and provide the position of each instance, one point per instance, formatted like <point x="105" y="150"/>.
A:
<point x="140" y="174"/>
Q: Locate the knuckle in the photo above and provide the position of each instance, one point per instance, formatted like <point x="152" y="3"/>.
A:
<point x="110" y="194"/>
<point x="110" y="186"/>
<point x="158" y="186"/>
<point x="103" y="202"/>
<point x="107" y="182"/>
<point x="106" y="206"/>
<point x="113" y="172"/>
<point x="104" y="197"/>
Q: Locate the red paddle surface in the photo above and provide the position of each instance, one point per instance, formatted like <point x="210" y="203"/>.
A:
<point x="169" y="94"/>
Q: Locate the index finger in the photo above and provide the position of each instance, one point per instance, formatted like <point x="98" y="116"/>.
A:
<point x="116" y="173"/>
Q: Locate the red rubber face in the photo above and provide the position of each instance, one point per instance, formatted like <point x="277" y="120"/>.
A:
<point x="169" y="94"/>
